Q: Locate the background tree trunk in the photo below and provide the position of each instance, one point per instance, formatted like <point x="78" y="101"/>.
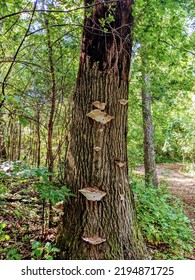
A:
<point x="38" y="137"/>
<point x="103" y="76"/>
<point x="50" y="155"/>
<point x="149" y="153"/>
<point x="19" y="140"/>
<point x="3" y="152"/>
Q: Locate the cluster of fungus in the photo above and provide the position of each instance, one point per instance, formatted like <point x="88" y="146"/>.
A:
<point x="98" y="115"/>
<point x="94" y="193"/>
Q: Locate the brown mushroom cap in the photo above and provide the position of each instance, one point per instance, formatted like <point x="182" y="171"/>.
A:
<point x="120" y="163"/>
<point x="99" y="105"/>
<point x="99" y="116"/>
<point x="123" y="101"/>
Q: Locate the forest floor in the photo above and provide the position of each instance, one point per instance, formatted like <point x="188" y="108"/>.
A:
<point x="179" y="183"/>
<point x="22" y="211"/>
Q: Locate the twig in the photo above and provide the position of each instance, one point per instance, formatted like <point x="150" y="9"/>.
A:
<point x="14" y="58"/>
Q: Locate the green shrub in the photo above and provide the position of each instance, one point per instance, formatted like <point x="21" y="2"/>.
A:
<point x="3" y="191"/>
<point x="49" y="190"/>
<point x="43" y="251"/>
<point x="162" y="219"/>
<point x="20" y="172"/>
<point x="3" y="235"/>
<point x="13" y="255"/>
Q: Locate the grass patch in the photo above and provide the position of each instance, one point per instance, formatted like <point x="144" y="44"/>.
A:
<point x="162" y="218"/>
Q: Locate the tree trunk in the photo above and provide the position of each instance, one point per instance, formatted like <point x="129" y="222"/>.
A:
<point x="149" y="153"/>
<point x="97" y="152"/>
<point x="19" y="141"/>
<point x="38" y="137"/>
<point x="50" y="156"/>
<point x="3" y="153"/>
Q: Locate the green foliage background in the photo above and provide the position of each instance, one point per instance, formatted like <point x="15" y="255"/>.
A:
<point x="163" y="36"/>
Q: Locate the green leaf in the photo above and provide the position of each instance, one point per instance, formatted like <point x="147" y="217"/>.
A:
<point x="23" y="121"/>
<point x="48" y="257"/>
<point x="38" y="252"/>
<point x="36" y="244"/>
<point x="54" y="249"/>
<point x="17" y="98"/>
<point x="2" y="225"/>
<point x="7" y="237"/>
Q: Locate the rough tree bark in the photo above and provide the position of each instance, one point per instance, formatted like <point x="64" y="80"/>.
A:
<point x="149" y="152"/>
<point x="97" y="152"/>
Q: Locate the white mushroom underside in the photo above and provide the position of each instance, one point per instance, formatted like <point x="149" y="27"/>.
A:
<point x="93" y="194"/>
<point x="95" y="240"/>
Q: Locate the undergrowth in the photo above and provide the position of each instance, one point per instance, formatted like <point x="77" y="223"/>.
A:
<point x="162" y="218"/>
<point x="25" y="194"/>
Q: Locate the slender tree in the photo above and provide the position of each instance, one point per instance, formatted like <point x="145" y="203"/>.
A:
<point x="148" y="141"/>
<point x="3" y="152"/>
<point x="96" y="161"/>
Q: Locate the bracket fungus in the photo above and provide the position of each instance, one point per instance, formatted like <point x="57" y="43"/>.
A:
<point x="97" y="149"/>
<point x="99" y="116"/>
<point x="99" y="105"/>
<point x="123" y="101"/>
<point x="92" y="193"/>
<point x="122" y="197"/>
<point x="101" y="130"/>
<point x="120" y="163"/>
<point x="95" y="240"/>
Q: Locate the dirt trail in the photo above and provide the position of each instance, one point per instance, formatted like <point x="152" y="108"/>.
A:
<point x="180" y="185"/>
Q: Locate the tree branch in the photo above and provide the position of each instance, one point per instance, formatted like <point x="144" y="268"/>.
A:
<point x="14" y="58"/>
<point x="59" y="11"/>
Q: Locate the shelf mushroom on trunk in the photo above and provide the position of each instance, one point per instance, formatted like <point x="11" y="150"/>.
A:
<point x="99" y="116"/>
<point x="92" y="193"/>
<point x="95" y="240"/>
<point x="100" y="105"/>
<point x="123" y="101"/>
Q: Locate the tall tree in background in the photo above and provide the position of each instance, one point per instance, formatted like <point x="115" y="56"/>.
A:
<point x="3" y="153"/>
<point x="148" y="129"/>
<point x="50" y="156"/>
<point x="97" y="155"/>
